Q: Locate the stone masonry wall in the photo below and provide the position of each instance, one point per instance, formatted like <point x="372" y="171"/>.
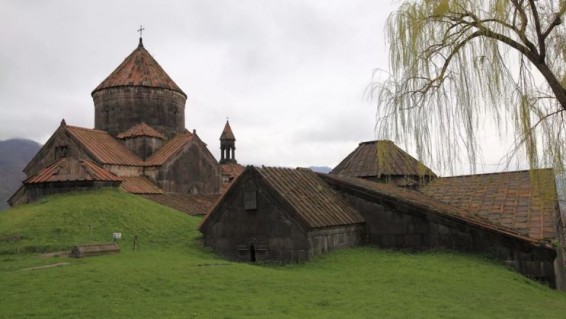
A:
<point x="118" y="109"/>
<point x="398" y="226"/>
<point x="273" y="235"/>
<point x="47" y="154"/>
<point x="273" y="230"/>
<point x="192" y="171"/>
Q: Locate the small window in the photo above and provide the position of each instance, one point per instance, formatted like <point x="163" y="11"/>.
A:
<point x="250" y="200"/>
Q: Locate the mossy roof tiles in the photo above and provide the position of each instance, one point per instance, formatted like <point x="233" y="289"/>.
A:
<point x="423" y="202"/>
<point x="378" y="159"/>
<point x="522" y="200"/>
<point x="313" y="201"/>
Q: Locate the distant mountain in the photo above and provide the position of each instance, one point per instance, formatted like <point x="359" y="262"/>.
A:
<point x="14" y="156"/>
<point x="321" y="169"/>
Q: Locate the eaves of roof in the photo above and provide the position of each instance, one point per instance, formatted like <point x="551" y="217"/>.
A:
<point x="415" y="199"/>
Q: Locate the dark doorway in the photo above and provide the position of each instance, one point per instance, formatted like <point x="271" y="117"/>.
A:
<point x="252" y="252"/>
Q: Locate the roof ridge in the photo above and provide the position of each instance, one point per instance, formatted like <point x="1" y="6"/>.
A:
<point x="170" y="148"/>
<point x="141" y="129"/>
<point x="500" y="173"/>
<point x="86" y="129"/>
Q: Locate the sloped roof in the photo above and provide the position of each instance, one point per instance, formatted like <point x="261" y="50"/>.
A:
<point x="171" y="148"/>
<point x="139" y="185"/>
<point x="426" y="203"/>
<point x="198" y="204"/>
<point x="141" y="129"/>
<point x="313" y="201"/>
<point x="139" y="69"/>
<point x="67" y="169"/>
<point x="522" y="200"/>
<point x="227" y="132"/>
<point x="380" y="158"/>
<point x="232" y="170"/>
<point x="104" y="147"/>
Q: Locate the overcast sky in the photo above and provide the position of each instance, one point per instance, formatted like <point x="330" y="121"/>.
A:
<point x="290" y="75"/>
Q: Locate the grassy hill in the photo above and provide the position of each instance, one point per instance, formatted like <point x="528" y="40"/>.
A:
<point x="172" y="277"/>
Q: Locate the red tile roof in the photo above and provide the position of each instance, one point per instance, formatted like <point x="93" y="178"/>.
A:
<point x="423" y="202"/>
<point x="139" y="185"/>
<point x="378" y="159"/>
<point x="313" y="201"/>
<point x="68" y="169"/>
<point x="522" y="200"/>
<point x="171" y="148"/>
<point x="227" y="132"/>
<point x="190" y="204"/>
<point x="139" y="69"/>
<point x="141" y="129"/>
<point x="230" y="171"/>
<point x="103" y="147"/>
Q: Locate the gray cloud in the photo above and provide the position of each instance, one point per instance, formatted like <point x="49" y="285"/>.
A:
<point x="289" y="74"/>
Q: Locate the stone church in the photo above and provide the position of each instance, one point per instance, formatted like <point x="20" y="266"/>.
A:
<point x="139" y="143"/>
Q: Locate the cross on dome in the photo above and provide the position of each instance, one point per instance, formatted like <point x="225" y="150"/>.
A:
<point x="140" y="30"/>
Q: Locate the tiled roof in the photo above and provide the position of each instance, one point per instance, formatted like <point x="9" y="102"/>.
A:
<point x="522" y="200"/>
<point x="139" y="185"/>
<point x="380" y="158"/>
<point x="313" y="201"/>
<point x="68" y="169"/>
<point x="227" y="132"/>
<point x="107" y="150"/>
<point x="423" y="202"/>
<point x="232" y="171"/>
<point x="190" y="204"/>
<point x="139" y="69"/>
<point x="141" y="129"/>
<point x="103" y="147"/>
<point x="169" y="149"/>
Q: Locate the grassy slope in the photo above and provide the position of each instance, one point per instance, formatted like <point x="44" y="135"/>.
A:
<point x="171" y="277"/>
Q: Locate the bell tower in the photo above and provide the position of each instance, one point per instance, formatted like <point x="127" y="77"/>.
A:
<point x="227" y="145"/>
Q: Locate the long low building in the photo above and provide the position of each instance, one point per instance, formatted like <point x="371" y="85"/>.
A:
<point x="281" y="214"/>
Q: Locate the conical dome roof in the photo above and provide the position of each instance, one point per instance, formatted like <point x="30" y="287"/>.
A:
<point x="227" y="132"/>
<point x="139" y="69"/>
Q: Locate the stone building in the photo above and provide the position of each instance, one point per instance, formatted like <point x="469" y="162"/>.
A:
<point x="510" y="216"/>
<point x="139" y="138"/>
<point x="384" y="162"/>
<point x="280" y="214"/>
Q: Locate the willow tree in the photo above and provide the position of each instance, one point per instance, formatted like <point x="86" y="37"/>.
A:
<point x="454" y="62"/>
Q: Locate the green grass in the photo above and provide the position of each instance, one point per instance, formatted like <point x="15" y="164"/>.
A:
<point x="172" y="277"/>
<point x="59" y="222"/>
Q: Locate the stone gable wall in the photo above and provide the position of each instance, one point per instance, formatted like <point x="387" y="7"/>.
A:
<point x="274" y="231"/>
<point x="191" y="171"/>
<point x="47" y="156"/>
